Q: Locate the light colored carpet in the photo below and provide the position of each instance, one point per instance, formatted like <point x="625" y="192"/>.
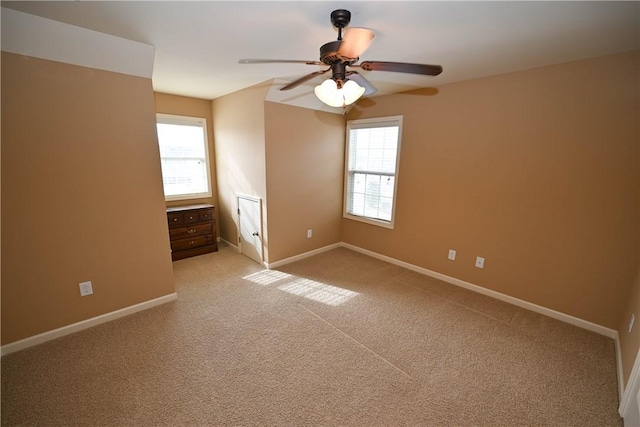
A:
<point x="336" y="339"/>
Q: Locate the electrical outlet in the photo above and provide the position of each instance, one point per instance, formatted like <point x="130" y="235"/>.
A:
<point x="633" y="319"/>
<point x="86" y="289"/>
<point x="309" y="233"/>
<point x="479" y="262"/>
<point x="452" y="255"/>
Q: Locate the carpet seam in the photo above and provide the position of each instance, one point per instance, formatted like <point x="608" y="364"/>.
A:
<point x="356" y="341"/>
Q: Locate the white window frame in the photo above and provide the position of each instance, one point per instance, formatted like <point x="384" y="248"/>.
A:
<point x="371" y="123"/>
<point x="201" y="123"/>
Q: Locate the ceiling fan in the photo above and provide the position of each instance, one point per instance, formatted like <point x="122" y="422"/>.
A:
<point x="346" y="85"/>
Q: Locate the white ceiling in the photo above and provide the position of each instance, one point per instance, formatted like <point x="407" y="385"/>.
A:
<point x="198" y="44"/>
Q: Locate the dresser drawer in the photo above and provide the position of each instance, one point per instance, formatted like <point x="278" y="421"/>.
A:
<point x="191" y="231"/>
<point x="205" y="215"/>
<point x="175" y="219"/>
<point x="192" y="242"/>
<point x="191" y="217"/>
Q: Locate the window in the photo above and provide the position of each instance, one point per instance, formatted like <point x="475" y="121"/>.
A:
<point x="371" y="169"/>
<point x="184" y="157"/>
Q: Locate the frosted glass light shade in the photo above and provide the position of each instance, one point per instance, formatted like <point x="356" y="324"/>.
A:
<point x="329" y="93"/>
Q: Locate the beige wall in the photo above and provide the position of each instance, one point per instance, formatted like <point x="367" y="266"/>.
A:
<point x="238" y="129"/>
<point x="305" y="168"/>
<point x="81" y="195"/>
<point x="536" y="171"/>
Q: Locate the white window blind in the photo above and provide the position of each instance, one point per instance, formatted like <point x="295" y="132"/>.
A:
<point x="183" y="156"/>
<point x="373" y="152"/>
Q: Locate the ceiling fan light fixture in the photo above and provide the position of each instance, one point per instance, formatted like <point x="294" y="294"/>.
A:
<point x="329" y="93"/>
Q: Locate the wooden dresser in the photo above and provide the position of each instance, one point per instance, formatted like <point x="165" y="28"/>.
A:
<point x="192" y="230"/>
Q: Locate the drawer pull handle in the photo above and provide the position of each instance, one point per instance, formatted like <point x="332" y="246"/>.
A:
<point x="175" y="219"/>
<point x="192" y="231"/>
<point x="193" y="242"/>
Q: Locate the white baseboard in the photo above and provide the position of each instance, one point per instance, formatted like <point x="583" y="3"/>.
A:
<point x="228" y="243"/>
<point x="593" y="327"/>
<point x="85" y="324"/>
<point x="301" y="256"/>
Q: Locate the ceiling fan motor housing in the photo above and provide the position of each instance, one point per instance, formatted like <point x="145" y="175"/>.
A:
<point x="329" y="54"/>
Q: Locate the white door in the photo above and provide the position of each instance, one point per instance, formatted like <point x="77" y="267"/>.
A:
<point x="250" y="227"/>
<point x="630" y="404"/>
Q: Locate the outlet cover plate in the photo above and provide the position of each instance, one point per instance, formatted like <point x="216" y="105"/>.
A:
<point x="86" y="289"/>
<point x="479" y="262"/>
<point x="452" y="255"/>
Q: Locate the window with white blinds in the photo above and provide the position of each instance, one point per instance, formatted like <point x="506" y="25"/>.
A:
<point x="372" y="158"/>
<point x="184" y="156"/>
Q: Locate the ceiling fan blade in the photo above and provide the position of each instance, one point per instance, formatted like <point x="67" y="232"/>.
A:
<point x="355" y="42"/>
<point x="278" y="61"/>
<point x="402" y="67"/>
<point x="366" y="84"/>
<point x="303" y="79"/>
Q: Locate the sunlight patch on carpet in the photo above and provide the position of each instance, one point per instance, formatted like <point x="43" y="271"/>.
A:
<point x="266" y="277"/>
<point x="306" y="288"/>
<point x="320" y="292"/>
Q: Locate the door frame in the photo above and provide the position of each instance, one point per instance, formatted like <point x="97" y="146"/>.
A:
<point x="629" y="408"/>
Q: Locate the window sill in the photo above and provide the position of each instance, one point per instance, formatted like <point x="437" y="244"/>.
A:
<point x="378" y="223"/>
